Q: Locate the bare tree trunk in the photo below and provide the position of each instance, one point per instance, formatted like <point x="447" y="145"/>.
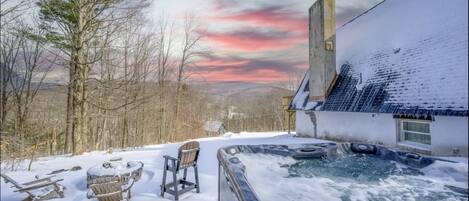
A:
<point x="69" y="139"/>
<point x="3" y="96"/>
<point x="125" y="128"/>
<point x="189" y="50"/>
<point x="79" y="102"/>
<point x="31" y="159"/>
<point x="9" y="51"/>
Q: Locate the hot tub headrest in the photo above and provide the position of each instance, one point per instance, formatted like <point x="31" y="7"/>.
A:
<point x="363" y="148"/>
<point x="309" y="152"/>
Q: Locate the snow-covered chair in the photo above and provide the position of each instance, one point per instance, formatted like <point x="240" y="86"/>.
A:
<point x="109" y="188"/>
<point x="187" y="157"/>
<point x="39" y="189"/>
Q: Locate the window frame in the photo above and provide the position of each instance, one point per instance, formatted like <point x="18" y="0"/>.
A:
<point x="401" y="134"/>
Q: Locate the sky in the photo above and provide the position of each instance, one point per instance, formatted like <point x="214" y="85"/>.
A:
<point x="259" y="41"/>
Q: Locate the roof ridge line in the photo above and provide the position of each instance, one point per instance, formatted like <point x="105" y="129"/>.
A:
<point x="353" y="19"/>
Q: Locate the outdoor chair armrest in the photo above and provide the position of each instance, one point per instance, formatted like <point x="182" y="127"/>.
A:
<point x="27" y="188"/>
<point x="129" y="185"/>
<point x="90" y="194"/>
<point x="38" y="180"/>
<point x="141" y="163"/>
<point x="107" y="194"/>
<point x="170" y="158"/>
<point x="190" y="150"/>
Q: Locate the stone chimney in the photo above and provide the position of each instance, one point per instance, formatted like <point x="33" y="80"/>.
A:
<point x="321" y="49"/>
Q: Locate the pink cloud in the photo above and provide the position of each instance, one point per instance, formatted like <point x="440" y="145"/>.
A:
<point x="302" y="65"/>
<point x="255" y="41"/>
<point x="274" y="17"/>
<point x="273" y="28"/>
<point x="229" y="68"/>
<point x="219" y="62"/>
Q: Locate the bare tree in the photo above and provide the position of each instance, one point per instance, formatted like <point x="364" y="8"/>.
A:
<point x="129" y="82"/>
<point x="294" y="79"/>
<point x="26" y="70"/>
<point x="10" y="10"/>
<point x="81" y="29"/>
<point x="120" y="92"/>
<point x="29" y="76"/>
<point x="163" y="69"/>
<point x="9" y="52"/>
<point x="190" y="50"/>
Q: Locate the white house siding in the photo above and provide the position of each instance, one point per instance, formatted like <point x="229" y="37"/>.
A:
<point x="366" y="127"/>
<point x="448" y="133"/>
<point x="350" y="126"/>
<point x="304" y="126"/>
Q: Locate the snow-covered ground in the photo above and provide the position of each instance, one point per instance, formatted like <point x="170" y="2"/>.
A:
<point x="148" y="188"/>
<point x="152" y="156"/>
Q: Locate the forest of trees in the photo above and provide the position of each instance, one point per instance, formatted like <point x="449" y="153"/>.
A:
<point x="125" y="81"/>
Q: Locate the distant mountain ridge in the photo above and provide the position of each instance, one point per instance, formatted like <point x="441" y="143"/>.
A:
<point x="233" y="89"/>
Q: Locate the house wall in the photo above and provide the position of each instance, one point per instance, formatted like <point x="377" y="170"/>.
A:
<point x="351" y="126"/>
<point x="447" y="132"/>
<point x="303" y="124"/>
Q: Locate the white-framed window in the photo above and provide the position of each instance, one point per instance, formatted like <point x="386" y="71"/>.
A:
<point x="415" y="133"/>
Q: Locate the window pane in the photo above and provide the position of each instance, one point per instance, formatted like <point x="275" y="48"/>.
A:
<point x="415" y="137"/>
<point x="415" y="126"/>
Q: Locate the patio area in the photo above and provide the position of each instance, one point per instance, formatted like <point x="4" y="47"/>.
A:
<point x="148" y="187"/>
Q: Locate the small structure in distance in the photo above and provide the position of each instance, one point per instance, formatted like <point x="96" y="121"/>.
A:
<point x="214" y="128"/>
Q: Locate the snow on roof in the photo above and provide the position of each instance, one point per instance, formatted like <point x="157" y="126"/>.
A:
<point x="402" y="57"/>
<point x="302" y="94"/>
<point x="300" y="101"/>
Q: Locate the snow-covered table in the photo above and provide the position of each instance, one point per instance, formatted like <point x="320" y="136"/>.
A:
<point x="125" y="170"/>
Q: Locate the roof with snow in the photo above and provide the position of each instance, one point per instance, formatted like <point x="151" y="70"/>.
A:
<point x="402" y="57"/>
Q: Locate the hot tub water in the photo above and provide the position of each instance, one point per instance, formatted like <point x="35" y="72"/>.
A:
<point x="342" y="172"/>
<point x="344" y="177"/>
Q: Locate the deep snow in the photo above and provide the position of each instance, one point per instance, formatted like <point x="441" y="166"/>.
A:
<point x="152" y="156"/>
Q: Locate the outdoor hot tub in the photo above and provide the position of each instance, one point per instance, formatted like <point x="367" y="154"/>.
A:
<point x="329" y="171"/>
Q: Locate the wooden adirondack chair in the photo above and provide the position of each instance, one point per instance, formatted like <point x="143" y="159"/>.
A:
<point x="39" y="189"/>
<point x="187" y="157"/>
<point x="110" y="188"/>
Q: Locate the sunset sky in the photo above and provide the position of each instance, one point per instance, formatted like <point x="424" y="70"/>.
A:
<point x="253" y="40"/>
